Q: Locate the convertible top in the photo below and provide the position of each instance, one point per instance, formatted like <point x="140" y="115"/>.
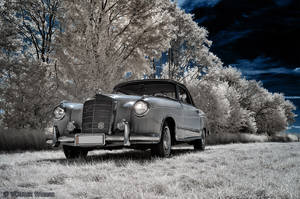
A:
<point x="150" y="86"/>
<point x="147" y="81"/>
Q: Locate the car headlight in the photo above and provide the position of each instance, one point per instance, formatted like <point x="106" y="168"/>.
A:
<point x="141" y="108"/>
<point x="59" y="113"/>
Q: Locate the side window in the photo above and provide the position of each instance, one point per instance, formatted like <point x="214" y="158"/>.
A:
<point x="183" y="96"/>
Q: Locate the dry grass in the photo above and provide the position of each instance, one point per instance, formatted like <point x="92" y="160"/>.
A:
<point x="23" y="139"/>
<point x="228" y="138"/>
<point x="258" y="170"/>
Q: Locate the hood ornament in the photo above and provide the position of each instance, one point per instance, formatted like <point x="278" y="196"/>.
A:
<point x="99" y="91"/>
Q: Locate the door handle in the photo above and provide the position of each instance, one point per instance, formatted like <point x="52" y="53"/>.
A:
<point x="197" y="111"/>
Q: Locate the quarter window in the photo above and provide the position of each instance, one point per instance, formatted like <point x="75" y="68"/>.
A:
<point x="183" y="96"/>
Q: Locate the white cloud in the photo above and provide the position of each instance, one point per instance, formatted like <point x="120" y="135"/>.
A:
<point x="280" y="70"/>
<point x="293" y="127"/>
<point x="180" y="2"/>
<point x="263" y="65"/>
<point x="292" y="97"/>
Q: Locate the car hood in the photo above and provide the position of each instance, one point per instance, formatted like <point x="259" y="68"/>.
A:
<point x="123" y="97"/>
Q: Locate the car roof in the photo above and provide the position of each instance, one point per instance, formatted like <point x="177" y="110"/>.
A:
<point x="149" y="81"/>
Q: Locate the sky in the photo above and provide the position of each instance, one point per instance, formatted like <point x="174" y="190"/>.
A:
<point x="260" y="37"/>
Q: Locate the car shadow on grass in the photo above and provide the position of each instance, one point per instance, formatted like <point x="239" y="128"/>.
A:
<point x="120" y="158"/>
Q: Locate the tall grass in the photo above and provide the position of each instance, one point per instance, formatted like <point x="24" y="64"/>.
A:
<point x="228" y="138"/>
<point x="22" y="139"/>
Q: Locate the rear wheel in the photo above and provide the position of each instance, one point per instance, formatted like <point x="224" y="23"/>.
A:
<point x="72" y="152"/>
<point x="200" y="144"/>
<point x="163" y="148"/>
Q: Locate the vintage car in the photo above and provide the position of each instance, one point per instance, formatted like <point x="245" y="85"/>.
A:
<point x="140" y="114"/>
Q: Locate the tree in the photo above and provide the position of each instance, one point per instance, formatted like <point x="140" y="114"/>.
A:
<point x="189" y="49"/>
<point x="25" y="102"/>
<point x="212" y="100"/>
<point x="272" y="112"/>
<point x="27" y="30"/>
<point x="35" y="21"/>
<point x="106" y="39"/>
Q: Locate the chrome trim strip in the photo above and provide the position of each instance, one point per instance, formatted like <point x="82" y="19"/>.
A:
<point x="189" y="129"/>
<point x="66" y="139"/>
<point x="126" y="133"/>
<point x="114" y="139"/>
<point x="143" y="138"/>
<point x="190" y="138"/>
<point x="132" y="138"/>
<point x="54" y="138"/>
<point x="113" y="116"/>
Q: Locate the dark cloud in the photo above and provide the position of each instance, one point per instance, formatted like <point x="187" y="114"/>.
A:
<point x="189" y="5"/>
<point x="251" y="28"/>
<point x="283" y="2"/>
<point x="260" y="37"/>
<point x="226" y="37"/>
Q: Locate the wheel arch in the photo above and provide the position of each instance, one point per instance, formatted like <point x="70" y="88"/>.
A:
<point x="205" y="131"/>
<point x="172" y="125"/>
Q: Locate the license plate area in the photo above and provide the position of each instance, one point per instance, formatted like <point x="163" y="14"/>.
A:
<point x="90" y="139"/>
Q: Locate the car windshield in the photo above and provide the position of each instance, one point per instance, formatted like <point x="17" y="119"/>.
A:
<point x="154" y="88"/>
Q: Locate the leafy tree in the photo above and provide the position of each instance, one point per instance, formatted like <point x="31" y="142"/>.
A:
<point x="36" y="23"/>
<point x="103" y="40"/>
<point x="25" y="102"/>
<point x="190" y="48"/>
<point x="234" y="104"/>
<point x="27" y="32"/>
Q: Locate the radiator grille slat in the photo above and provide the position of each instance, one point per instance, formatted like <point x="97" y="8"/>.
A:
<point x="98" y="110"/>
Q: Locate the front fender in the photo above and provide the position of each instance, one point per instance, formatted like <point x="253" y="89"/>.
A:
<point x="151" y="123"/>
<point x="73" y="113"/>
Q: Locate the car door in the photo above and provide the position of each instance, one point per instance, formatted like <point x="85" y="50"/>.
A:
<point x="191" y="116"/>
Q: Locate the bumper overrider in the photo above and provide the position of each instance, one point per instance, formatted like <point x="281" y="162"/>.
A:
<point x="102" y="140"/>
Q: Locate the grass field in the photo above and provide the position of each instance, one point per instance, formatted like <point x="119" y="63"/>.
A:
<point x="23" y="139"/>
<point x="257" y="170"/>
<point x="14" y="140"/>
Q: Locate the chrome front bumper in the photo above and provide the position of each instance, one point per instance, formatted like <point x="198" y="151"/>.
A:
<point x="110" y="138"/>
<point x="126" y="139"/>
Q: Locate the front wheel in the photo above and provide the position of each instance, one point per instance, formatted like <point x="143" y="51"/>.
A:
<point x="163" y="148"/>
<point x="72" y="152"/>
<point x="200" y="144"/>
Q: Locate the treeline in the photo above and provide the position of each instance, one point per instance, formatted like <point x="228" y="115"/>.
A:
<point x="236" y="105"/>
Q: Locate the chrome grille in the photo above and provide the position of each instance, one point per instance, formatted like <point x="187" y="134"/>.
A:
<point x="97" y="115"/>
